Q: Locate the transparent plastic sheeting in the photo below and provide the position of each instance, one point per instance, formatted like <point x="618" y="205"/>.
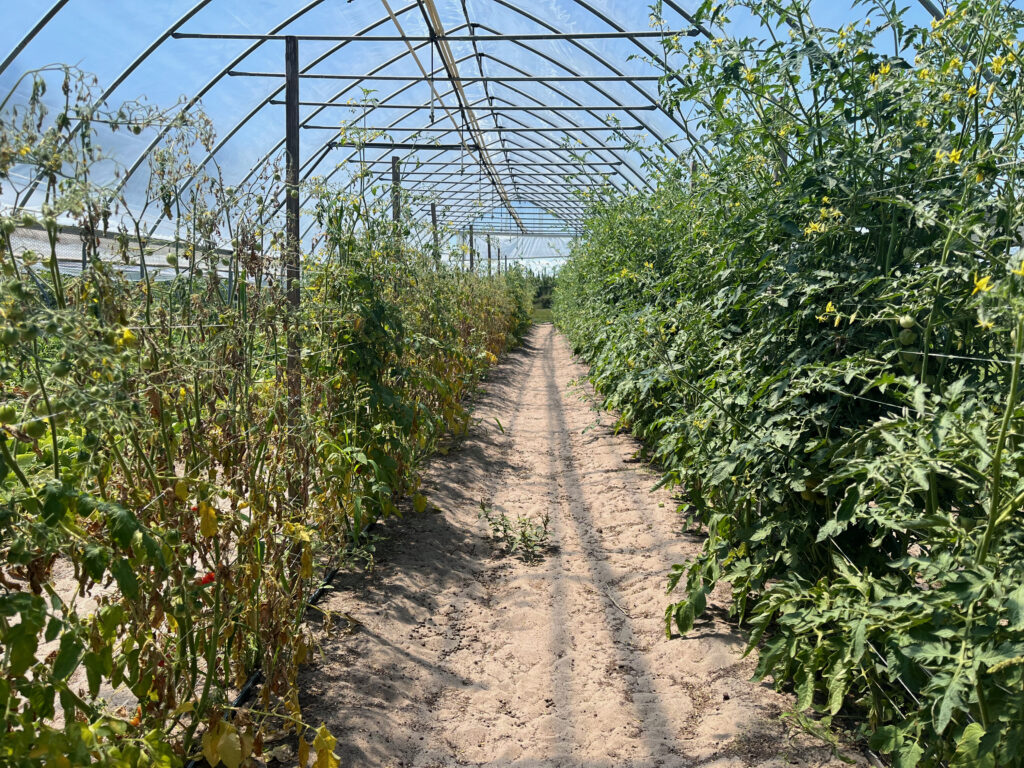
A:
<point x="130" y="47"/>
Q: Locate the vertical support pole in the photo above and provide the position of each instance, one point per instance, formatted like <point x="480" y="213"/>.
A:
<point x="471" y="242"/>
<point x="499" y="259"/>
<point x="488" y="255"/>
<point x="291" y="254"/>
<point x="433" y="227"/>
<point x="396" y="191"/>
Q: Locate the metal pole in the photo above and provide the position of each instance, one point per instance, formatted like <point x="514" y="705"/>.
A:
<point x="396" y="191"/>
<point x="433" y="226"/>
<point x="291" y="252"/>
<point x="488" y="255"/>
<point x="470" y="247"/>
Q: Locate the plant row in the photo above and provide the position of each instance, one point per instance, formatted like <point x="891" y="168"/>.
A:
<point x="816" y="323"/>
<point x="169" y="498"/>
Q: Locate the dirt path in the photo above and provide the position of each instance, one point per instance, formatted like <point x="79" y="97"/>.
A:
<point x="469" y="659"/>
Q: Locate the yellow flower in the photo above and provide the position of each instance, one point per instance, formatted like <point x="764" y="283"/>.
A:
<point x="922" y="122"/>
<point x="873" y="78"/>
<point x="830" y="308"/>
<point x="814" y="227"/>
<point x="940" y="155"/>
<point x="24" y="150"/>
<point x="954" y="155"/>
<point x="972" y="91"/>
<point x="985" y="325"/>
<point x="997" y="64"/>
<point x="1019" y="270"/>
<point x="983" y="285"/>
<point x="885" y="69"/>
<point x="748" y="75"/>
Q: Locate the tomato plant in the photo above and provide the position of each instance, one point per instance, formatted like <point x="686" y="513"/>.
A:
<point x="146" y="444"/>
<point x="817" y="327"/>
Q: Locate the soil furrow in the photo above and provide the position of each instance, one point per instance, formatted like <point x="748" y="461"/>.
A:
<point x="468" y="657"/>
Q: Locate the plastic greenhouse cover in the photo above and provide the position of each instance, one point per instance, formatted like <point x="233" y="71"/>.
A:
<point x="129" y="43"/>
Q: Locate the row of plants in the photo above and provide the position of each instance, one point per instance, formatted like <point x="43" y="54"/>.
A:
<point x="150" y="445"/>
<point x="817" y="326"/>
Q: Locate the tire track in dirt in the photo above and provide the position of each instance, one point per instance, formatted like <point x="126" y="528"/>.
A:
<point x="470" y="659"/>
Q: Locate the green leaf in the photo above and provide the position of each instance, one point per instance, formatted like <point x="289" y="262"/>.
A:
<point x="1015" y="607"/>
<point x="909" y="756"/>
<point x="122" y="524"/>
<point x="68" y="656"/>
<point x="21" y="642"/>
<point x="887" y="739"/>
<point x="95" y="559"/>
<point x="837" y="686"/>
<point x="127" y="582"/>
<point x="953" y="698"/>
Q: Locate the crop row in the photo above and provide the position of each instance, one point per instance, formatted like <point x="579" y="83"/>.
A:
<point x="817" y="327"/>
<point x="167" y="507"/>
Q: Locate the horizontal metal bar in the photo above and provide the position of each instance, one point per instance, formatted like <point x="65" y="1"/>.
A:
<point x="447" y="38"/>
<point x="449" y="163"/>
<point x="470" y="175"/>
<point x="473" y="147"/>
<point x="546" y="181"/>
<point x="442" y="77"/>
<point x="499" y="129"/>
<point x="484" y="215"/>
<point x="401" y="145"/>
<point x="482" y="109"/>
<point x="552" y="257"/>
<point x="489" y="212"/>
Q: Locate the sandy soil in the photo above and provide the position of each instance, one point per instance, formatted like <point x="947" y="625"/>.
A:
<point x="469" y="658"/>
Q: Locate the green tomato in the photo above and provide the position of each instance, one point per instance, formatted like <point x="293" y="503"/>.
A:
<point x="35" y="429"/>
<point x="907" y="337"/>
<point x="8" y="414"/>
<point x="9" y="336"/>
<point x="906" y="321"/>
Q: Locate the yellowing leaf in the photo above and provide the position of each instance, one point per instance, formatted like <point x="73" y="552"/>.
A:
<point x="230" y="746"/>
<point x="419" y="503"/>
<point x="324" y="745"/>
<point x="211" y="744"/>
<point x="207" y="520"/>
<point x="181" y="490"/>
<point x="303" y="752"/>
